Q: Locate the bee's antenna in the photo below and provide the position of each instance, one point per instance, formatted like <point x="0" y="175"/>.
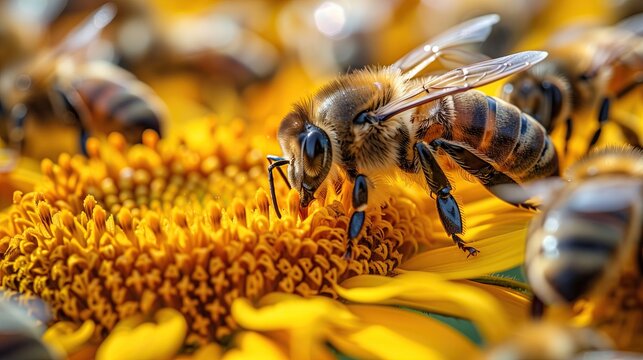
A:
<point x="276" y="162"/>
<point x="272" y="158"/>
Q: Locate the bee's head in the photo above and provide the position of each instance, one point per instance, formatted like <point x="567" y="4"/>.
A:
<point x="309" y="150"/>
<point x="541" y="93"/>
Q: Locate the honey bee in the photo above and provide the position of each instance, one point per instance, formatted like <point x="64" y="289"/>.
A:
<point x="63" y="87"/>
<point x="375" y="121"/>
<point x="587" y="242"/>
<point x="588" y="69"/>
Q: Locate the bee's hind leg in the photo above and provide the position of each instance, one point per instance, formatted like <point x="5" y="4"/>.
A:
<point x="448" y="209"/>
<point x="485" y="172"/>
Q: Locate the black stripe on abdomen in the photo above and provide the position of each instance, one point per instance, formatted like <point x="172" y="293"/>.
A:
<point x="572" y="282"/>
<point x="505" y="131"/>
<point x="578" y="262"/>
<point x="579" y="245"/>
<point x="471" y="118"/>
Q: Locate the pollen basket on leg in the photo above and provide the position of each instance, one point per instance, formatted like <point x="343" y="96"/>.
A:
<point x="133" y="230"/>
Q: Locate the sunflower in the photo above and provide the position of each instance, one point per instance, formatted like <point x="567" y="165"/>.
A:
<point x="171" y="249"/>
<point x="177" y="245"/>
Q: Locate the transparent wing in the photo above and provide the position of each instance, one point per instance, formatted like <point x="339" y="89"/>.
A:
<point x="633" y="24"/>
<point x="608" y="44"/>
<point x="86" y="31"/>
<point x="461" y="79"/>
<point x="473" y="31"/>
<point x="609" y="52"/>
<point x="570" y="34"/>
<point x="77" y="39"/>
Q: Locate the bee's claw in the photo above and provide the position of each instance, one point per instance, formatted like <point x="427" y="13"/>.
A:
<point x="468" y="249"/>
<point x="472" y="251"/>
<point x="529" y="206"/>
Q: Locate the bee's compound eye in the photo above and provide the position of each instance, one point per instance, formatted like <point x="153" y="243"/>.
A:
<point x="316" y="156"/>
<point x="23" y="82"/>
<point x="314" y="145"/>
<point x="526" y="88"/>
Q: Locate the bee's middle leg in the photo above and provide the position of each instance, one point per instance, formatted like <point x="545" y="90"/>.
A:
<point x="604" y="113"/>
<point x="569" y="130"/>
<point x="360" y="201"/>
<point x="448" y="209"/>
<point x="484" y="172"/>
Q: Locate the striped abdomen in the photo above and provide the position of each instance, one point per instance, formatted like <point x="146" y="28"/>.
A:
<point x="514" y="141"/>
<point x="110" y="105"/>
<point x="578" y="244"/>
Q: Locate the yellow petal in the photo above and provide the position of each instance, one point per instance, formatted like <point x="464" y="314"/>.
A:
<point x="514" y="303"/>
<point x="67" y="337"/>
<point x="387" y="344"/>
<point x="422" y="333"/>
<point x="135" y="339"/>
<point x="306" y="321"/>
<point x="501" y="245"/>
<point x="312" y="322"/>
<point x="254" y="346"/>
<point x="290" y="311"/>
<point x="432" y="293"/>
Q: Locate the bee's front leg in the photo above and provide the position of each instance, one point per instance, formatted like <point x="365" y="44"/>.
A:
<point x="448" y="209"/>
<point x="360" y="199"/>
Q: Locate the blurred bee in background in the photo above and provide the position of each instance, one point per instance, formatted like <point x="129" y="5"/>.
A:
<point x="64" y="87"/>
<point x="218" y="42"/>
<point x="22" y="25"/>
<point x="372" y="122"/>
<point x="586" y="245"/>
<point x="227" y="41"/>
<point x="587" y="71"/>
<point x="20" y="334"/>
